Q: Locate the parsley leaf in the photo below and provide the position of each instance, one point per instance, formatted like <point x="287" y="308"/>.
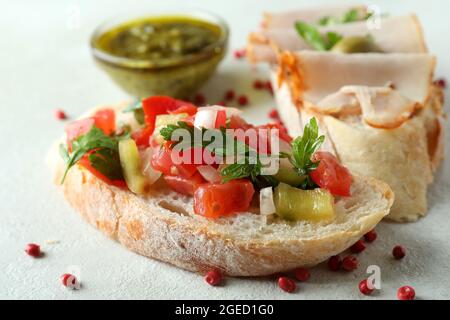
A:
<point x="315" y="39"/>
<point x="107" y="162"/>
<point x="311" y="35"/>
<point x="250" y="168"/>
<point x="303" y="147"/>
<point x="138" y="111"/>
<point x="92" y="140"/>
<point x="327" y="20"/>
<point x="332" y="39"/>
<point x="351" y="15"/>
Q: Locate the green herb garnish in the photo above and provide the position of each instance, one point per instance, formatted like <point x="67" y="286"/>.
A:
<point x="314" y="38"/>
<point x="303" y="147"/>
<point x="250" y="167"/>
<point x="104" y="158"/>
<point x="350" y="16"/>
<point x="138" y="111"/>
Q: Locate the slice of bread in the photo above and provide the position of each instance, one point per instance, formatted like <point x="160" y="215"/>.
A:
<point x="163" y="226"/>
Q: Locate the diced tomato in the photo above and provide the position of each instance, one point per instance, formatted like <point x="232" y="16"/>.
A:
<point x="84" y="162"/>
<point x="237" y="122"/>
<point x="183" y="185"/>
<point x="221" y="119"/>
<point x="214" y="200"/>
<point x="142" y="137"/>
<point x="105" y="119"/>
<point x="190" y="109"/>
<point x="162" y="161"/>
<point x="331" y="175"/>
<point x="157" y="105"/>
<point x="76" y="129"/>
<point x="282" y="130"/>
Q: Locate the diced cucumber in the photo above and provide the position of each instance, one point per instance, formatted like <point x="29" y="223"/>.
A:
<point x="164" y="120"/>
<point x="296" y="204"/>
<point x="131" y="166"/>
<point x="289" y="176"/>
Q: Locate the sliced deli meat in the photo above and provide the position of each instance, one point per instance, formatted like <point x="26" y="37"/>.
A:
<point x="381" y="107"/>
<point x="408" y="37"/>
<point x="287" y="19"/>
<point x="316" y="78"/>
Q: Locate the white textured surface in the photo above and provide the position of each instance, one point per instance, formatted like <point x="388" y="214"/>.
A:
<point x="45" y="65"/>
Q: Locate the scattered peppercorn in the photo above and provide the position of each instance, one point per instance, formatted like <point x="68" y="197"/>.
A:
<point x="370" y="236"/>
<point x="358" y="247"/>
<point x="214" y="277"/>
<point x="60" y="114"/>
<point x="286" y="284"/>
<point x="240" y="53"/>
<point x="69" y="280"/>
<point x="242" y="100"/>
<point x="302" y="274"/>
<point x="33" y="250"/>
<point x="334" y="263"/>
<point x="349" y="263"/>
<point x="229" y="95"/>
<point x="364" y="287"/>
<point x="258" y="84"/>
<point x="398" y="252"/>
<point x="199" y="99"/>
<point x="442" y="83"/>
<point x="273" y="114"/>
<point x="406" y="293"/>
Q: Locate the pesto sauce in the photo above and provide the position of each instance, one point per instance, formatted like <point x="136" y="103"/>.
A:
<point x="159" y="39"/>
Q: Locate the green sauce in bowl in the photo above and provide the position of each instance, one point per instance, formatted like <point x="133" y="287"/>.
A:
<point x="161" y="55"/>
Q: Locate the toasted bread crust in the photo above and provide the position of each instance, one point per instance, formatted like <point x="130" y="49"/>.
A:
<point x="143" y="227"/>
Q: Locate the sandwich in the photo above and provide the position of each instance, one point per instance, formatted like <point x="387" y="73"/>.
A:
<point x="148" y="175"/>
<point x="377" y="104"/>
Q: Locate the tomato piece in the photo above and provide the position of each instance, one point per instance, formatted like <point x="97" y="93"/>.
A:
<point x="76" y="129"/>
<point x="214" y="200"/>
<point x="221" y="119"/>
<point x="105" y="119"/>
<point x="142" y="137"/>
<point x="237" y="122"/>
<point x="190" y="109"/>
<point x="331" y="175"/>
<point x="85" y="163"/>
<point x="183" y="185"/>
<point x="283" y="134"/>
<point x="157" y="105"/>
<point x="163" y="162"/>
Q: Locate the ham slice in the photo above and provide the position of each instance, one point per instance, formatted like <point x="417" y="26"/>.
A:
<point x="341" y="84"/>
<point x="380" y="107"/>
<point x="408" y="37"/>
<point x="310" y="15"/>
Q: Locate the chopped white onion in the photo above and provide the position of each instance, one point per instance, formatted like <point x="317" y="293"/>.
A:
<point x="147" y="168"/>
<point x="283" y="145"/>
<point x="266" y="204"/>
<point x="209" y="173"/>
<point x="205" y="118"/>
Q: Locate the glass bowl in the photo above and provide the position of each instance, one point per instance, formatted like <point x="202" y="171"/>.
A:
<point x="178" y="78"/>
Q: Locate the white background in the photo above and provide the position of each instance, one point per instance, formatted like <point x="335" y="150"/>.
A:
<point x="46" y="64"/>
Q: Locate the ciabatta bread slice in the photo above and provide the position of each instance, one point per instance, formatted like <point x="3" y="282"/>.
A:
<point x="163" y="226"/>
